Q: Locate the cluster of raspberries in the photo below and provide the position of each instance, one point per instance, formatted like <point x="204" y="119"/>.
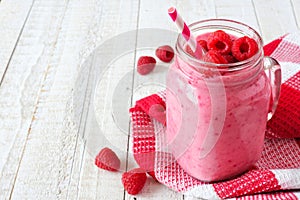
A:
<point x="222" y="49"/>
<point x="132" y="180"/>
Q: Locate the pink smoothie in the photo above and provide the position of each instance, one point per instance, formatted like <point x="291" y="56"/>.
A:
<point x="216" y="123"/>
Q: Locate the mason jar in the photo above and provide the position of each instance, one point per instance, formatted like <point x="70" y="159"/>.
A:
<point x="217" y="113"/>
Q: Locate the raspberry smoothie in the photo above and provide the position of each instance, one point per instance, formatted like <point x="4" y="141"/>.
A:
<point x="216" y="116"/>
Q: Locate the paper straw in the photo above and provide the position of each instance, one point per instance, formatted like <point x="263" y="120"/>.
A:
<point x="185" y="31"/>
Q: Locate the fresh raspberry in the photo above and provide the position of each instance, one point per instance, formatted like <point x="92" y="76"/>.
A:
<point x="214" y="57"/>
<point x="152" y="174"/>
<point x="108" y="160"/>
<point x="145" y="65"/>
<point x="134" y="180"/>
<point x="165" y="53"/>
<point x="203" y="44"/>
<point x="158" y="112"/>
<point x="230" y="58"/>
<point x="243" y="48"/>
<point x="219" y="41"/>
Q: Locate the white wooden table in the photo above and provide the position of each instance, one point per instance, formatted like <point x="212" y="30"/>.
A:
<point x="42" y="46"/>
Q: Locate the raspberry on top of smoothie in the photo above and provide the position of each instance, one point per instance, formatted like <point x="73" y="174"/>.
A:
<point x="223" y="48"/>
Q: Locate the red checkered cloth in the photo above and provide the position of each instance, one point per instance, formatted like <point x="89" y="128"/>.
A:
<point x="275" y="176"/>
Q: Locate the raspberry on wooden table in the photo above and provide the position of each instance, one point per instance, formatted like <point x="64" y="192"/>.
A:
<point x="152" y="174"/>
<point x="165" y="53"/>
<point x="134" y="180"/>
<point x="145" y="65"/>
<point x="158" y="112"/>
<point x="107" y="160"/>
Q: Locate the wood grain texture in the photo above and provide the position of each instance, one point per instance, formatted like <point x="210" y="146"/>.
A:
<point x="90" y="182"/>
<point x="296" y="8"/>
<point x="82" y="28"/>
<point x="275" y="18"/>
<point x="242" y="11"/>
<point x="193" y="11"/>
<point x="13" y="16"/>
<point x="23" y="86"/>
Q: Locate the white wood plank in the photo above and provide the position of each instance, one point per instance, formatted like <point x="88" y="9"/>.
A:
<point x="116" y="17"/>
<point x="193" y="10"/>
<point x="296" y="7"/>
<point x="81" y="28"/>
<point x="242" y="11"/>
<point x="23" y="88"/>
<point x="275" y="18"/>
<point x="13" y="15"/>
<point x="106" y="183"/>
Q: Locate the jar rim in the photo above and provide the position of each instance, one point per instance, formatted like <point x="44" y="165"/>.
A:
<point x="220" y="67"/>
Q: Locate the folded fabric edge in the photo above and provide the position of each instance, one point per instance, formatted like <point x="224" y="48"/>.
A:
<point x="287" y="178"/>
<point x="281" y="195"/>
<point x="203" y="191"/>
<point x="284" y="184"/>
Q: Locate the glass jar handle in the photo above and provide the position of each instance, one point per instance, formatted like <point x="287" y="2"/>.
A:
<point x="273" y="71"/>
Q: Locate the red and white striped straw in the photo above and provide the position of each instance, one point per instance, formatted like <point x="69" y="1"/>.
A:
<point x="185" y="31"/>
<point x="183" y="28"/>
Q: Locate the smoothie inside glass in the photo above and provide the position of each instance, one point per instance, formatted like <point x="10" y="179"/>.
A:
<point x="217" y="113"/>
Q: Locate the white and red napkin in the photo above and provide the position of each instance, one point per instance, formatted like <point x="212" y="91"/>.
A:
<point x="275" y="176"/>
